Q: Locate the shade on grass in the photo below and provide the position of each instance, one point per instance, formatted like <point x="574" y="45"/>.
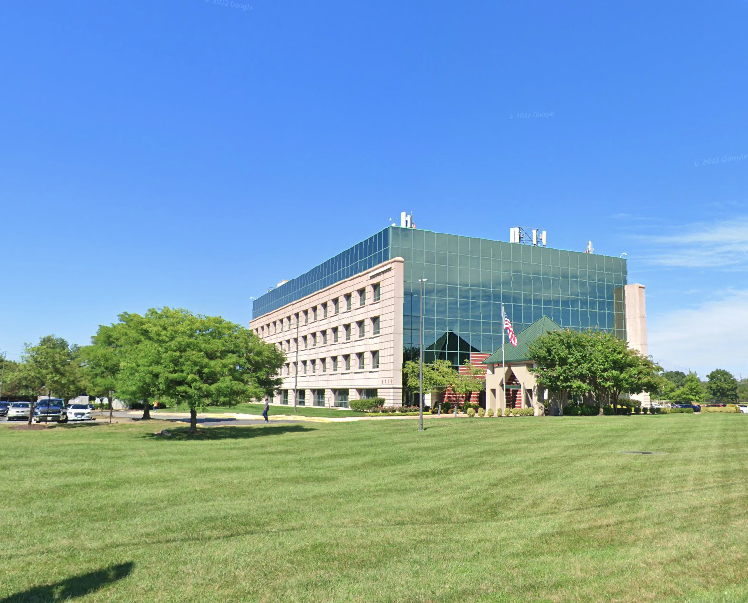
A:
<point x="518" y="509"/>
<point x="256" y="409"/>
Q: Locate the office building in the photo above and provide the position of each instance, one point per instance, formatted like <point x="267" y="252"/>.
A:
<point x="347" y="325"/>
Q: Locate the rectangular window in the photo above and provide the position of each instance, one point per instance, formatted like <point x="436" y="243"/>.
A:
<point x="347" y="362"/>
<point x="335" y="305"/>
<point x="347" y="332"/>
<point x="289" y="323"/>
<point x="341" y="398"/>
<point x="361" y="328"/>
<point x="285" y="397"/>
<point x="301" y="397"/>
<point x="295" y="344"/>
<point x="304" y="341"/>
<point x="335" y="335"/>
<point x="306" y="317"/>
<point x="334" y="364"/>
<point x="375" y="325"/>
<point x="303" y="367"/>
<point x="375" y="359"/>
<point x="324" y="337"/>
<point x="361" y="364"/>
<point x="314" y="340"/>
<point x="348" y="301"/>
<point x="362" y="297"/>
<point x="368" y="394"/>
<point x="297" y="319"/>
<point x="324" y="310"/>
<point x="323" y="362"/>
<point x="319" y="397"/>
<point x="377" y="292"/>
<point x="314" y="314"/>
<point x="314" y="366"/>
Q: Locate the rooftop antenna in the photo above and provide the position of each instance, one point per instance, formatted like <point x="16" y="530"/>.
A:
<point x="528" y="236"/>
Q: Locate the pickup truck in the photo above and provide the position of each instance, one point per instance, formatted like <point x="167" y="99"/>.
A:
<point x="50" y="409"/>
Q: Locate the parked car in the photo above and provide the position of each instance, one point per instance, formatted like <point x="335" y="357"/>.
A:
<point x="19" y="410"/>
<point x="696" y="407"/>
<point x="4" y="408"/>
<point x="50" y="409"/>
<point x="79" y="412"/>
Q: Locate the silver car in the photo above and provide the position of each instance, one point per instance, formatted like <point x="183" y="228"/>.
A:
<point x="19" y="410"/>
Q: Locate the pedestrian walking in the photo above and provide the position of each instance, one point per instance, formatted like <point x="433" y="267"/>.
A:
<point x="265" y="410"/>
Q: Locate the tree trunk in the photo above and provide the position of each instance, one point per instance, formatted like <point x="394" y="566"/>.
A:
<point x="31" y="411"/>
<point x="146" y="411"/>
<point x="193" y="420"/>
<point x="615" y="403"/>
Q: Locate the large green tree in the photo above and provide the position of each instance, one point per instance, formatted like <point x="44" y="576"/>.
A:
<point x="573" y="363"/>
<point x="175" y="355"/>
<point x="692" y="391"/>
<point x="722" y="386"/>
<point x="561" y="365"/>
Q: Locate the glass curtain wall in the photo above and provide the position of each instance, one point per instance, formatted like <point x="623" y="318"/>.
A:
<point x="469" y="278"/>
<point x="355" y="260"/>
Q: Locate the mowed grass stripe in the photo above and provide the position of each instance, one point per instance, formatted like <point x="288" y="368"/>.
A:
<point x="475" y="509"/>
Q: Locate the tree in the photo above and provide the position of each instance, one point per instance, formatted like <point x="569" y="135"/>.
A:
<point x="691" y="392"/>
<point x="569" y="363"/>
<point x="51" y="366"/>
<point x="121" y="359"/>
<point x="473" y="380"/>
<point x="11" y="385"/>
<point x="677" y="378"/>
<point x="436" y="376"/>
<point x="560" y="365"/>
<point x="177" y="356"/>
<point x="743" y="391"/>
<point x="722" y="386"/>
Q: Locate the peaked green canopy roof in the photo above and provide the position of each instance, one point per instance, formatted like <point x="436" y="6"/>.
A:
<point x="520" y="354"/>
<point x="451" y="341"/>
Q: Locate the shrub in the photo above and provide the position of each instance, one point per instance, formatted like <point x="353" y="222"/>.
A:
<point x="607" y="410"/>
<point x="366" y="404"/>
<point x="644" y="410"/>
<point x="471" y="412"/>
<point x="481" y="412"/>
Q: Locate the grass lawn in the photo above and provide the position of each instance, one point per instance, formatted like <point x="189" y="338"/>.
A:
<point x="256" y="409"/>
<point x="523" y="509"/>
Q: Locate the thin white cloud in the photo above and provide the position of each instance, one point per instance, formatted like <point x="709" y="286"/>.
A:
<point x="722" y="245"/>
<point x="711" y="335"/>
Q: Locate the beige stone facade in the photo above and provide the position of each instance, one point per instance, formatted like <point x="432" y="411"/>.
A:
<point x="342" y="343"/>
<point x="636" y="327"/>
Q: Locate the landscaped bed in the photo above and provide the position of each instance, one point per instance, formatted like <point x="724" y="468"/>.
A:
<point x="540" y="509"/>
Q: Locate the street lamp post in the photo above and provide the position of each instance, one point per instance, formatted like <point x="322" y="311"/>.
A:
<point x="420" y="360"/>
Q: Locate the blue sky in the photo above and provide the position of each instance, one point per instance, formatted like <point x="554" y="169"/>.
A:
<point x="191" y="154"/>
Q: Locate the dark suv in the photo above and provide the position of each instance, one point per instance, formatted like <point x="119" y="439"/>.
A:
<point x="4" y="408"/>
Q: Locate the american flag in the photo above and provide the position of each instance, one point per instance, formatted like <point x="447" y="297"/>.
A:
<point x="509" y="329"/>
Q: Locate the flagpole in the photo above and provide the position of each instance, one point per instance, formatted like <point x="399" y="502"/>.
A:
<point x="503" y="368"/>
